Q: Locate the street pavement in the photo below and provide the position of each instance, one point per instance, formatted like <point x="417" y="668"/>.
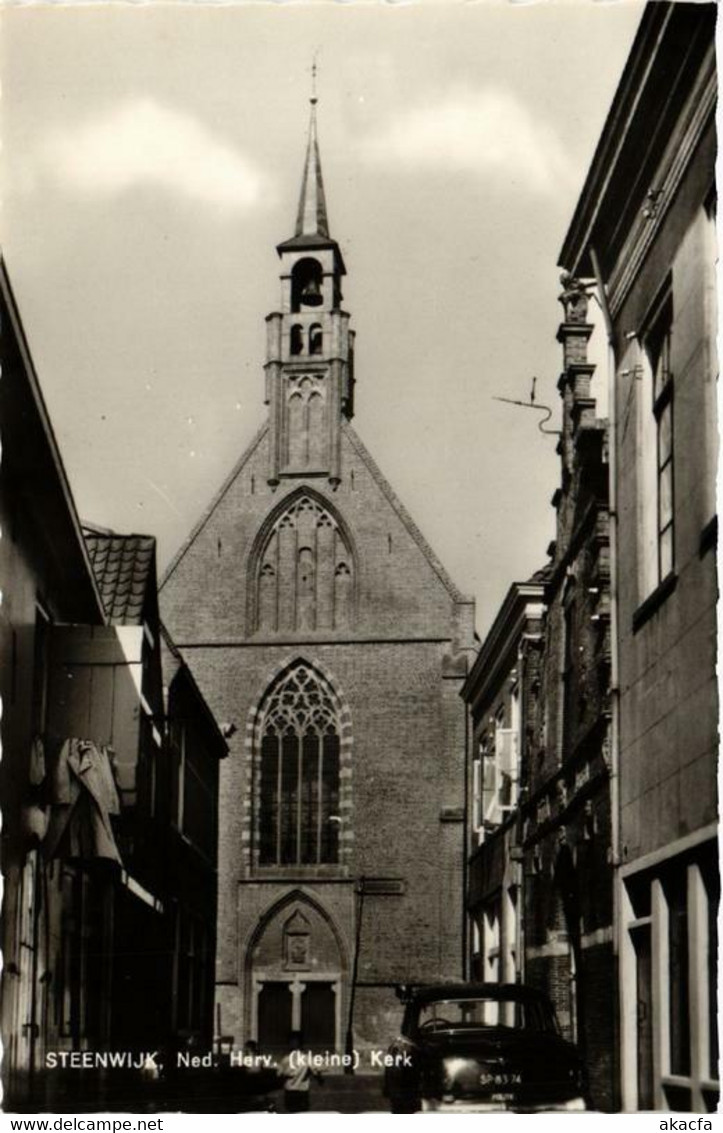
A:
<point x="216" y="1093"/>
<point x="352" y="1093"/>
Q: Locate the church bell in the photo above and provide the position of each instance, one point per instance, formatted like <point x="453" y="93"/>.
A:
<point x="311" y="295"/>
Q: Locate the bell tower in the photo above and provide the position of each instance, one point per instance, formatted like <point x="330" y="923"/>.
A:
<point x="310" y="349"/>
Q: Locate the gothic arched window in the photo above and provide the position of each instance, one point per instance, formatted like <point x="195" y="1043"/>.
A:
<point x="303" y="570"/>
<point x="298" y="817"/>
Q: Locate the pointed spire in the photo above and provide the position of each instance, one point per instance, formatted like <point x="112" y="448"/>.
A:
<point x="311" y="219"/>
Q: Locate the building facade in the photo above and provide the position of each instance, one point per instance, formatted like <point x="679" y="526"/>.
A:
<point x="47" y="579"/>
<point x="566" y="809"/>
<point x="109" y="786"/>
<point x="503" y="696"/>
<point x="188" y="794"/>
<point x="540" y="890"/>
<point x="167" y="749"/>
<point x="321" y="624"/>
<point x="645" y="228"/>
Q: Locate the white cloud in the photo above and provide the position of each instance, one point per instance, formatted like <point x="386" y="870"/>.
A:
<point x="483" y="132"/>
<point x="145" y="143"/>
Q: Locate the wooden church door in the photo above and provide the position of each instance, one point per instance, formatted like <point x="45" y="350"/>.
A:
<point x="275" y="1016"/>
<point x="318" y="1017"/>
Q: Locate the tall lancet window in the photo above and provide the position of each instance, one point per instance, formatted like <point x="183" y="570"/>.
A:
<point x="303" y="570"/>
<point x="298" y="809"/>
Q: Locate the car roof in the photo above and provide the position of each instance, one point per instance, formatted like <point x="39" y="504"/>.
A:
<point x="519" y="992"/>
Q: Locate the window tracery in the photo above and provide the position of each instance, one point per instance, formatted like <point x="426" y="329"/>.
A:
<point x="299" y="773"/>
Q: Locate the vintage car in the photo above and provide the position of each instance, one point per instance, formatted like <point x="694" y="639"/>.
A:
<point x="474" y="1048"/>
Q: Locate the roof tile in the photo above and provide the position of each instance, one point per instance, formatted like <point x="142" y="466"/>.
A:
<point x="123" y="565"/>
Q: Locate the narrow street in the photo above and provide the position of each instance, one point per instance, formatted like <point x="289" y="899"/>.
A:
<point x="336" y="1093"/>
<point x="358" y="1093"/>
<point x="310" y="789"/>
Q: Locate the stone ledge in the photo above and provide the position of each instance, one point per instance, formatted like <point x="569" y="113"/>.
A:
<point x="654" y="601"/>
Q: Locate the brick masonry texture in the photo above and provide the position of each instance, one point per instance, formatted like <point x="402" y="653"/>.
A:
<point x="398" y="668"/>
<point x="568" y="894"/>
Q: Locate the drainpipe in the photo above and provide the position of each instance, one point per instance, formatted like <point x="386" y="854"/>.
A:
<point x="614" y="635"/>
<point x="349" y="1045"/>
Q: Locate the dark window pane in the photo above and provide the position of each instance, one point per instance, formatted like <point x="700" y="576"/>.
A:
<point x="677" y="896"/>
<point x="289" y="798"/>
<point x="678" y="1098"/>
<point x="268" y="810"/>
<point x="310" y="798"/>
<point x="638" y="888"/>
<point x="644" y="1013"/>
<point x="198" y="810"/>
<point x="330" y="800"/>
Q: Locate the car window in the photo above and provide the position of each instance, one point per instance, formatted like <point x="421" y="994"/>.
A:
<point x="445" y="1014"/>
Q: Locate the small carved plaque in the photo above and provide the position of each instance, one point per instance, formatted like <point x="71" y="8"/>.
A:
<point x="297" y="952"/>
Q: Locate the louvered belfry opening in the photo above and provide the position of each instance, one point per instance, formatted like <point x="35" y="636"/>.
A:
<point x="299" y="796"/>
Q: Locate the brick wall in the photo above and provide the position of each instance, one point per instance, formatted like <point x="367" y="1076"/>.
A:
<point x="398" y="669"/>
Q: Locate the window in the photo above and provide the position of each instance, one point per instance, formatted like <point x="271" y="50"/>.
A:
<point x="82" y="977"/>
<point x="659" y="347"/>
<point x="676" y="895"/>
<point x="657" y="450"/>
<point x="669" y="970"/>
<point x="193" y="946"/>
<point x="478" y="768"/>
<point x="191" y="789"/>
<point x="495" y="774"/>
<point x="298" y="819"/>
<point x="506" y="758"/>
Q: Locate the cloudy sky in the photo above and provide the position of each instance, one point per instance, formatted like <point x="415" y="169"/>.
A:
<point x="152" y="157"/>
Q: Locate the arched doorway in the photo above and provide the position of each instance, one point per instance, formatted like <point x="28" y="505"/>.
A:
<point x="295" y="973"/>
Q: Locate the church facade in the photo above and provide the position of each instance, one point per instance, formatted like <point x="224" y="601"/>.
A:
<point x="317" y="620"/>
